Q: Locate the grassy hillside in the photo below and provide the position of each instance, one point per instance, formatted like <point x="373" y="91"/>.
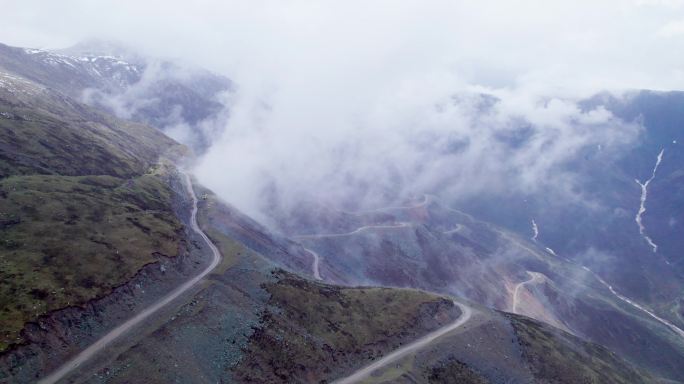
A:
<point x="252" y="322"/>
<point x="557" y="357"/>
<point x="44" y="132"/>
<point x="312" y="331"/>
<point x="495" y="347"/>
<point x="83" y="205"/>
<point x="550" y="355"/>
<point x="66" y="240"/>
<point x="454" y="371"/>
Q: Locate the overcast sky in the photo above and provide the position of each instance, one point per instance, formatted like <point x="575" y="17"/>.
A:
<point x="628" y="43"/>
<point x="329" y="89"/>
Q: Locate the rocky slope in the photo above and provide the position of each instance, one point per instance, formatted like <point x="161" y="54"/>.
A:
<point x="254" y="322"/>
<point x="498" y="348"/>
<point x="81" y="192"/>
<point x="430" y="246"/>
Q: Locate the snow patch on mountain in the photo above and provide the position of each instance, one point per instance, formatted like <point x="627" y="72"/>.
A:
<point x="535" y="230"/>
<point x="103" y="66"/>
<point x="14" y="84"/>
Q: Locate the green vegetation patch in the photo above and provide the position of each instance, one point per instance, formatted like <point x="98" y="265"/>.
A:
<point x="313" y="331"/>
<point x="49" y="134"/>
<point x="65" y="240"/>
<point x="44" y="144"/>
<point x="454" y="371"/>
<point x="557" y="357"/>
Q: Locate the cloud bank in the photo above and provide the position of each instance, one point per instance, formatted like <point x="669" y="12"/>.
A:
<point x="372" y="102"/>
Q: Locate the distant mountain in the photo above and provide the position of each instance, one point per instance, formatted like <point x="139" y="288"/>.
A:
<point x="187" y="102"/>
<point x="71" y="75"/>
<point x="608" y="268"/>
<point x="428" y="245"/>
<point x="644" y="260"/>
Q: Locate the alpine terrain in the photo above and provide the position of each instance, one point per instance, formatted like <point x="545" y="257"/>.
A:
<point x="309" y="218"/>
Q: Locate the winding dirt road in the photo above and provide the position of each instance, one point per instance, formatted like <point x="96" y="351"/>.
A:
<point x="426" y="200"/>
<point x="354" y="232"/>
<point x="459" y="228"/>
<point x="534" y="278"/>
<point x="100" y="344"/>
<point x="315" y="264"/>
<point x="668" y="324"/>
<point x="466" y="313"/>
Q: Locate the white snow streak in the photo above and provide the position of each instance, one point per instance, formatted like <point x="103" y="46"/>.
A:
<point x="535" y="230"/>
<point x="629" y="301"/>
<point x="642" y="207"/>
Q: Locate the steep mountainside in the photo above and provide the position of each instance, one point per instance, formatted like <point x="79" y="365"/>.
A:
<point x="45" y="132"/>
<point x="252" y="322"/>
<point x="80" y="193"/>
<point x="182" y="100"/>
<point x="498" y="348"/>
<point x="68" y="74"/>
<point x="430" y="246"/>
<point x="635" y="244"/>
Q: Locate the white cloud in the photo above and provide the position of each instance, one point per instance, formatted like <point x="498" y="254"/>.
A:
<point x="672" y="29"/>
<point x="430" y="134"/>
<point x="357" y="98"/>
<point x="662" y="3"/>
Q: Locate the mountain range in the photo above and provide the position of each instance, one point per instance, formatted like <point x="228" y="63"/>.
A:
<point x="117" y="266"/>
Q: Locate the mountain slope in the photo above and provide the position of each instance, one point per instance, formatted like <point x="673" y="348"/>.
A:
<point x="97" y="228"/>
<point x="506" y="348"/>
<point x="45" y="132"/>
<point x="430" y="246"/>
<point x="182" y="100"/>
<point x="327" y="328"/>
<point x="253" y="322"/>
<point x="80" y="192"/>
<point x="601" y="231"/>
<point x="67" y="74"/>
